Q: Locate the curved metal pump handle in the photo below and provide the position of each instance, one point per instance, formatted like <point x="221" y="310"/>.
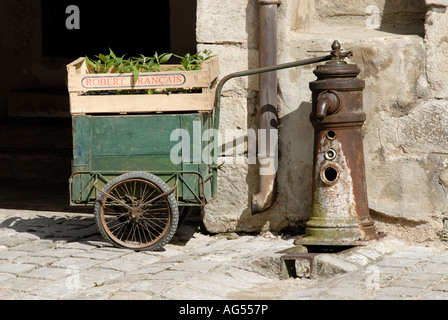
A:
<point x="261" y="70"/>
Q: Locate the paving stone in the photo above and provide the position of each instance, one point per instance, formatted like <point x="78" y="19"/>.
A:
<point x="23" y="284"/>
<point x="13" y="295"/>
<point x="369" y="253"/>
<point x="201" y="265"/>
<point x="154" y="268"/>
<point x="411" y="283"/>
<point x="39" y="261"/>
<point x="5" y="276"/>
<point x="434" y="295"/>
<point x="421" y="273"/>
<point x="131" y="295"/>
<point x="415" y="253"/>
<point x="78" y="246"/>
<point x="150" y="287"/>
<point x="246" y="276"/>
<point x="11" y="255"/>
<point x="141" y="257"/>
<point x="398" y="292"/>
<point x="308" y="294"/>
<point x="16" y="268"/>
<point x="441" y="258"/>
<point x="124" y="265"/>
<point x="346" y="293"/>
<point x="197" y="290"/>
<point x="436" y="268"/>
<point x="88" y="294"/>
<point x="97" y="277"/>
<point x="227" y="280"/>
<point x="48" y="273"/>
<point x="80" y="263"/>
<point x="328" y="265"/>
<point x="100" y="254"/>
<point x="165" y="253"/>
<point x="34" y="246"/>
<point x="173" y="275"/>
<point x="441" y="286"/>
<point x="58" y="289"/>
<point x="13" y="241"/>
<point x="56" y="252"/>
<point x="397" y="262"/>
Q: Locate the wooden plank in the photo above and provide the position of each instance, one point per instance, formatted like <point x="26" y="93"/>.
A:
<point x="146" y="80"/>
<point x="142" y="103"/>
<point x="77" y="66"/>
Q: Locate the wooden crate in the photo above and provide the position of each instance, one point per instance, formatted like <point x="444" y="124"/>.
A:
<point x="80" y="81"/>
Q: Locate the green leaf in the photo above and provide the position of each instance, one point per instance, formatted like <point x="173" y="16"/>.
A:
<point x="165" y="57"/>
<point x="136" y="74"/>
<point x="102" y="57"/>
<point x="90" y="62"/>
<point x="112" y="54"/>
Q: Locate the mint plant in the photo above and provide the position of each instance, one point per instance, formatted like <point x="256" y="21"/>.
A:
<point x="111" y="63"/>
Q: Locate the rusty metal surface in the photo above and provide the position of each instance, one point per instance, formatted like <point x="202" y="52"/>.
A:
<point x="340" y="213"/>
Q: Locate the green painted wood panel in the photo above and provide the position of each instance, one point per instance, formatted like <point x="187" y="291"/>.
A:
<point x="81" y="140"/>
<point x="114" y="143"/>
<point x="133" y="135"/>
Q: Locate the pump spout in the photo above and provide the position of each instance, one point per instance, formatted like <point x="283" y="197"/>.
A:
<point x="327" y="104"/>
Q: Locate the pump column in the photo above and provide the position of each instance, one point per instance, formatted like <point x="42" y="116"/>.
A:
<point x="340" y="212"/>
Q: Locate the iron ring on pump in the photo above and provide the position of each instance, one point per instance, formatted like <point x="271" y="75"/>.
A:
<point x="330" y="173"/>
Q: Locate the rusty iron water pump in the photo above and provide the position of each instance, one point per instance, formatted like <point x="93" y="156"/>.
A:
<point x="340" y="213"/>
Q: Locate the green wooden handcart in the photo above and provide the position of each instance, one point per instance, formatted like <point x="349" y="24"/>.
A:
<point x="141" y="160"/>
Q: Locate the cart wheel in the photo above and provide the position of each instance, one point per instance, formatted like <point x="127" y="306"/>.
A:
<point x="137" y="211"/>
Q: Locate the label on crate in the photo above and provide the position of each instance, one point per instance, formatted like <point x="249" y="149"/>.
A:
<point x="114" y="82"/>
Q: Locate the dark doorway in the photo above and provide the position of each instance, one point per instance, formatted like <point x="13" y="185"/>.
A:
<point x="75" y="28"/>
<point x="35" y="121"/>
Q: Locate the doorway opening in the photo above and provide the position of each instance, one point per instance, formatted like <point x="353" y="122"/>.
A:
<point x="35" y="122"/>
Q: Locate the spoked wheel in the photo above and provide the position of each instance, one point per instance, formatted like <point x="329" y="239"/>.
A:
<point x="137" y="211"/>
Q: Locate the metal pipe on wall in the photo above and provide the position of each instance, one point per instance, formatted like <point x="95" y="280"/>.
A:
<point x="268" y="141"/>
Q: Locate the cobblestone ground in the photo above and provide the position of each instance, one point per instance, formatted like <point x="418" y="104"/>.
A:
<point x="411" y="272"/>
<point x="60" y="255"/>
<point x="45" y="255"/>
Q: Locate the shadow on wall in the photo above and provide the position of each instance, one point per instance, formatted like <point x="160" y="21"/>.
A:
<point x="404" y="17"/>
<point x="295" y="166"/>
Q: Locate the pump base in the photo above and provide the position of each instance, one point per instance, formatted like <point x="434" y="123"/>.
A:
<point x="313" y="240"/>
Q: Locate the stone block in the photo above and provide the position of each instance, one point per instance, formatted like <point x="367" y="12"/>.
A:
<point x="230" y="210"/>
<point x="405" y="159"/>
<point x="234" y="59"/>
<point x="227" y="22"/>
<point x="328" y="265"/>
<point x="436" y="40"/>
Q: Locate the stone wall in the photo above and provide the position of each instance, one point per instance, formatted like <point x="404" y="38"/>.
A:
<point x="401" y="48"/>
